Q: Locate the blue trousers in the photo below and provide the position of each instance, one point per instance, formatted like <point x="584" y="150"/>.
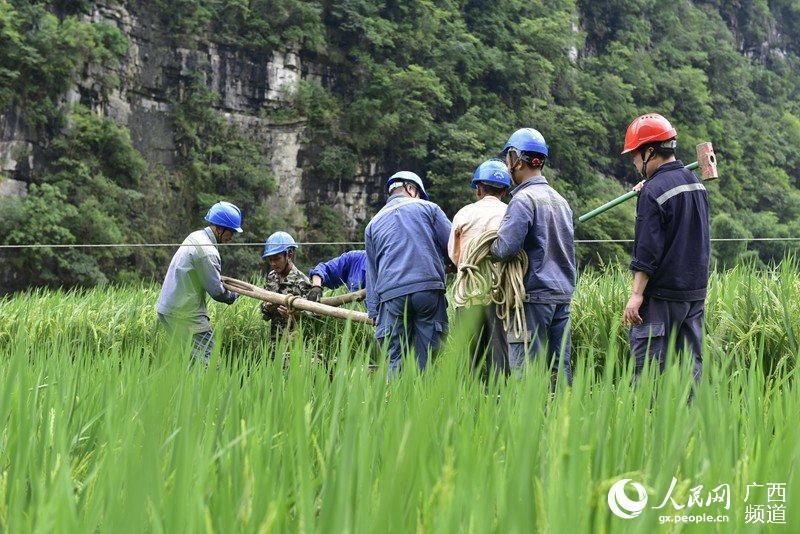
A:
<point x="417" y="321"/>
<point x="548" y="333"/>
<point x="663" y="318"/>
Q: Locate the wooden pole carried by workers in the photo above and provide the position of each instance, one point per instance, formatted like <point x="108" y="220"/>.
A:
<point x="338" y="300"/>
<point x="293" y="301"/>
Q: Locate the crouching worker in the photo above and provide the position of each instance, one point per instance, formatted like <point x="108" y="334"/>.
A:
<point x="195" y="270"/>
<point x="539" y="221"/>
<point x="284" y="278"/>
<point x="488" y="345"/>
<point x="671" y="249"/>
<point x="349" y="269"/>
<point x="406" y="244"/>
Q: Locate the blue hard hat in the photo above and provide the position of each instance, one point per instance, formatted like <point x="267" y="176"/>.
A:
<point x="491" y="172"/>
<point x="526" y="140"/>
<point x="226" y="215"/>
<point x="277" y="243"/>
<point x="407" y="176"/>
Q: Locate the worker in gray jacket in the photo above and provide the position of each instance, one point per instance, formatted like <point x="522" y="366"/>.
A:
<point x="195" y="270"/>
<point x="539" y="221"/>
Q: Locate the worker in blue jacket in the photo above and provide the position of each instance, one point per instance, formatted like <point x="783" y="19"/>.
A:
<point x="406" y="244"/>
<point x="539" y="221"/>
<point x="671" y="249"/>
<point x="349" y="269"/>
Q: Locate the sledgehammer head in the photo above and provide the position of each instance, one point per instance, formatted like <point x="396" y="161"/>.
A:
<point x="707" y="161"/>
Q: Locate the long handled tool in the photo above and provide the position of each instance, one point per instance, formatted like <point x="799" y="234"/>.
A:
<point x="293" y="301"/>
<point x="706" y="162"/>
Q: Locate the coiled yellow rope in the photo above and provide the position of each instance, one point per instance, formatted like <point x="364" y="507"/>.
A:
<point x="482" y="281"/>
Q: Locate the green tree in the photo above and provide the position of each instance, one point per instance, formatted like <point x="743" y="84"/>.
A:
<point x="87" y="194"/>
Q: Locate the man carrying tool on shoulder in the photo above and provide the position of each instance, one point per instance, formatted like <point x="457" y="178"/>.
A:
<point x="194" y="271"/>
<point x="490" y="182"/>
<point x="284" y="278"/>
<point x="539" y="221"/>
<point x="671" y="250"/>
<point x="406" y="244"/>
<point x="349" y="269"/>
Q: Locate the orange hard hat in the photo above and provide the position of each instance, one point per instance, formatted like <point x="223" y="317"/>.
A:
<point x="649" y="128"/>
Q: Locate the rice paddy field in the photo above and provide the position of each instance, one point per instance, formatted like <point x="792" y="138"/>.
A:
<point x="106" y="429"/>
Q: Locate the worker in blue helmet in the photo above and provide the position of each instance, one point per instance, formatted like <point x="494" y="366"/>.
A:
<point x="488" y="348"/>
<point x="195" y="270"/>
<point x="539" y="221"/>
<point x="406" y="245"/>
<point x="284" y="277"/>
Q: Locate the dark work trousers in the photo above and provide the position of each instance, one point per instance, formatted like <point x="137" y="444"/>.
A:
<point x="548" y="333"/>
<point x="417" y="321"/>
<point x="487" y="343"/>
<point x="665" y="318"/>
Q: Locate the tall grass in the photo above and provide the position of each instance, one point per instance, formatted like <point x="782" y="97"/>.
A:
<point x="107" y="430"/>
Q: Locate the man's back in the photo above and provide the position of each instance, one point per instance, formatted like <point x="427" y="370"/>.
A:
<point x="540" y="220"/>
<point x="406" y="246"/>
<point x="672" y="242"/>
<point x="473" y="220"/>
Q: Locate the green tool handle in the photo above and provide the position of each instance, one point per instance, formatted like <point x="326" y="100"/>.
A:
<point x="619" y="200"/>
<point x="607" y="206"/>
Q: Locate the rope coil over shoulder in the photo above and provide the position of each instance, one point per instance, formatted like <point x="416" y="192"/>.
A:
<point x="481" y="281"/>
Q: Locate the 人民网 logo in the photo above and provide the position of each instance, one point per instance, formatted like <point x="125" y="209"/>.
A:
<point x="623" y="506"/>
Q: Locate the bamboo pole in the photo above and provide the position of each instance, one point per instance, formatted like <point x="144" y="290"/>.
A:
<point x="344" y="299"/>
<point x="292" y="301"/>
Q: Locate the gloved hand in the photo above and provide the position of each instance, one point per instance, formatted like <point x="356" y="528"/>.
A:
<point x="231" y="297"/>
<point x="314" y="294"/>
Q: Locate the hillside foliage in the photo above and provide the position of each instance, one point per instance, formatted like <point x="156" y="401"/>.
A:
<point x="433" y="86"/>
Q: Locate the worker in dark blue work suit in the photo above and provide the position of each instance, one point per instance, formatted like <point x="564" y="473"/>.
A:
<point x="406" y="244"/>
<point x="671" y="249"/>
<point x="349" y="269"/>
<point x="539" y="221"/>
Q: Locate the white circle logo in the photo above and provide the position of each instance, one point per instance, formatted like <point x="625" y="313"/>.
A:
<point x="622" y="505"/>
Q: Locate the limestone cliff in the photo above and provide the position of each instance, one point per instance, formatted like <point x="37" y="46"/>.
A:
<point x="252" y="88"/>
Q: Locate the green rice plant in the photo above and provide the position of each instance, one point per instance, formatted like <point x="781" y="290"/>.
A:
<point x="107" y="427"/>
<point x="747" y="310"/>
<point x="88" y="440"/>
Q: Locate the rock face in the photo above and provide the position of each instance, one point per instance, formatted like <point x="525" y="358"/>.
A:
<point x="11" y="188"/>
<point x="153" y="74"/>
<point x="16" y="146"/>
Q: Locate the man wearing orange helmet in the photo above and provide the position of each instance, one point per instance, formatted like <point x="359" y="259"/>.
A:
<point x="671" y="249"/>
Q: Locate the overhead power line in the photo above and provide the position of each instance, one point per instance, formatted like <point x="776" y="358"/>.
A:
<point x="337" y="243"/>
<point x="155" y="245"/>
